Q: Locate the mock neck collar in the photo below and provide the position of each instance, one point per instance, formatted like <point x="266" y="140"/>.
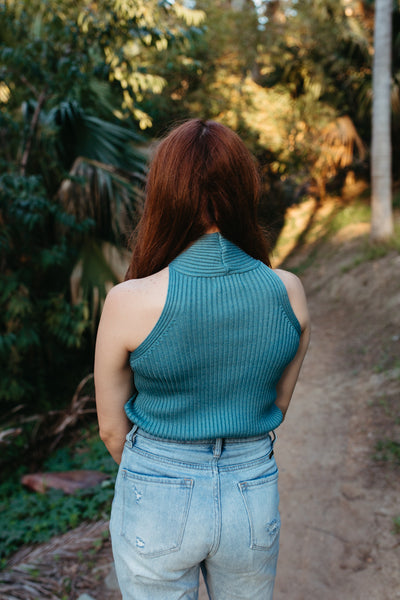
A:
<point x="212" y="255"/>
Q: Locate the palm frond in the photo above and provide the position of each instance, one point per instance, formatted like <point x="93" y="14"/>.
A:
<point x="81" y="134"/>
<point x="41" y="571"/>
<point x="100" y="266"/>
<point x="339" y="140"/>
<point x="111" y="197"/>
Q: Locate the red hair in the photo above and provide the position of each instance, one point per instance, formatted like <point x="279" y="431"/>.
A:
<point x="202" y="175"/>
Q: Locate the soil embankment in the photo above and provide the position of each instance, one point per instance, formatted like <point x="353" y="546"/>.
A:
<point x="338" y="503"/>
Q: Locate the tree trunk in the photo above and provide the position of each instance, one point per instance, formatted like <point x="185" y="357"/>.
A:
<point x="381" y="151"/>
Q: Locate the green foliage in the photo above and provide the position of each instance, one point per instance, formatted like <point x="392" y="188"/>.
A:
<point x="396" y="523"/>
<point x="30" y="518"/>
<point x="371" y="250"/>
<point x="88" y="453"/>
<point x="71" y="77"/>
<point x="205" y="73"/>
<point x="67" y="132"/>
<point x="357" y="211"/>
<point x="79" y="72"/>
<point x="40" y="331"/>
<point x="293" y="78"/>
<point x="388" y="451"/>
<point x="92" y="53"/>
<point x="322" y="54"/>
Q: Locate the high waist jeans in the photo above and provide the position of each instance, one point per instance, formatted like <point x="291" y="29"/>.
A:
<point x="182" y="506"/>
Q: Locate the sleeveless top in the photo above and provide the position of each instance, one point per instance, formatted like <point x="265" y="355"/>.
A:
<point x="210" y="366"/>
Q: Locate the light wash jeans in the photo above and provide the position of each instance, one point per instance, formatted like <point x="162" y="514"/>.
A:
<point x="182" y="506"/>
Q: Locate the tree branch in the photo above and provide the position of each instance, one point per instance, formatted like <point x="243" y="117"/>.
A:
<point x="30" y="86"/>
<point x="32" y="129"/>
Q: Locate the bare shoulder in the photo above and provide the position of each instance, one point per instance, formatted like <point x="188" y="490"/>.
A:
<point x="132" y="308"/>
<point x="134" y="292"/>
<point x="297" y="296"/>
<point x="291" y="282"/>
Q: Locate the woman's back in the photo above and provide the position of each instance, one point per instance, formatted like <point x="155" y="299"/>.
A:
<point x="210" y="364"/>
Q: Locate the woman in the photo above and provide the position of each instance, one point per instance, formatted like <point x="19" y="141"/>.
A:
<point x="215" y="340"/>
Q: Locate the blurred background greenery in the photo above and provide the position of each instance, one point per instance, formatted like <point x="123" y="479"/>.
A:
<point x="86" y="87"/>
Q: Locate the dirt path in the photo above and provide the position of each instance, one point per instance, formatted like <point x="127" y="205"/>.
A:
<point x="337" y="506"/>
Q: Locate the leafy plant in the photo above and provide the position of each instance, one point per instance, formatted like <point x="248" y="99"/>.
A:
<point x="40" y="330"/>
<point x="388" y="451"/>
<point x="396" y="522"/>
<point x="29" y="518"/>
<point x="71" y="75"/>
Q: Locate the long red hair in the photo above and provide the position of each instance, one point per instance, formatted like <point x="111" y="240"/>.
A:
<point x="202" y="175"/>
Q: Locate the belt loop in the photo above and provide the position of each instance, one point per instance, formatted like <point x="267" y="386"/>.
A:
<point x="272" y="442"/>
<point x="130" y="438"/>
<point x="217" y="447"/>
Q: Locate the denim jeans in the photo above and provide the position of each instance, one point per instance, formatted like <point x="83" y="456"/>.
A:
<point x="182" y="506"/>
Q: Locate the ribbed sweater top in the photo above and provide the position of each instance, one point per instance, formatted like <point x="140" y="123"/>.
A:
<point x="210" y="366"/>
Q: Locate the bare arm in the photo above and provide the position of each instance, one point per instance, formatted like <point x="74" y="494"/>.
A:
<point x="130" y="312"/>
<point x="290" y="375"/>
<point x="112" y="376"/>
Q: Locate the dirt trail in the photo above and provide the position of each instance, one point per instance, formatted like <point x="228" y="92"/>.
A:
<point x="337" y="506"/>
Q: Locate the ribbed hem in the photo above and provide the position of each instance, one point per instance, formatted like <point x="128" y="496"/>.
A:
<point x="193" y="429"/>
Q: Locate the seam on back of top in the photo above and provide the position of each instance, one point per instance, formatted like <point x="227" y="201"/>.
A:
<point x="223" y="253"/>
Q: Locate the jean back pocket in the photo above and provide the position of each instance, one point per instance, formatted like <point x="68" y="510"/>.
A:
<point x="154" y="512"/>
<point x="261" y="500"/>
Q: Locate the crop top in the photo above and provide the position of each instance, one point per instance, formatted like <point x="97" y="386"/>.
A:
<point x="210" y="366"/>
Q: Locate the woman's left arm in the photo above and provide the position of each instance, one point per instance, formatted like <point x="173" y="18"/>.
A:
<point x="288" y="380"/>
<point x="112" y="375"/>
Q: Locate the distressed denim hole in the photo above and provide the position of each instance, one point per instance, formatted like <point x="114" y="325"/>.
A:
<point x="261" y="501"/>
<point x="154" y="512"/>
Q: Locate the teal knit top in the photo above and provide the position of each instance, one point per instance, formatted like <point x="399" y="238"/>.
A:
<point x="210" y="366"/>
